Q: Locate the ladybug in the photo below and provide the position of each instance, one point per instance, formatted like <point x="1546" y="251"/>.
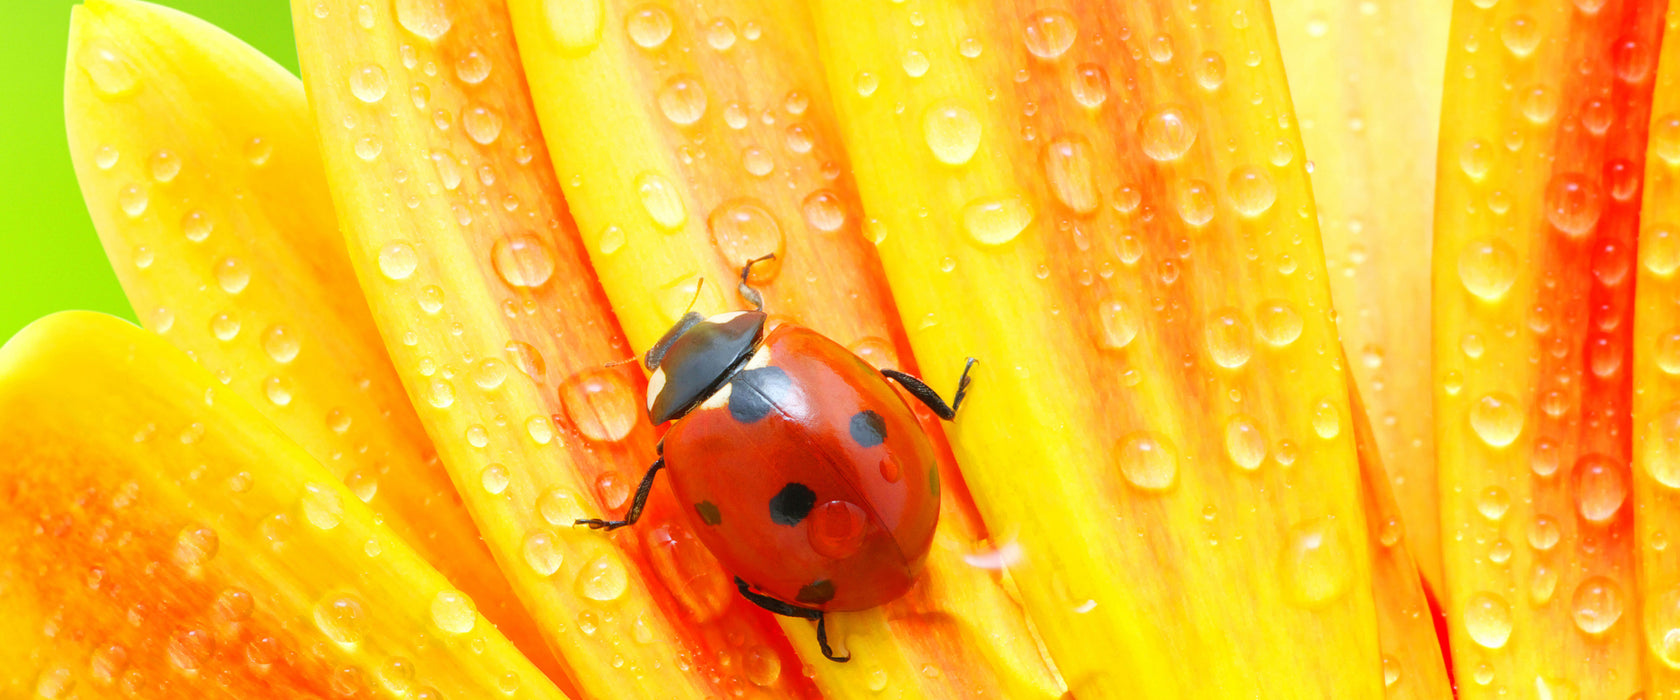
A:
<point x="809" y="476"/>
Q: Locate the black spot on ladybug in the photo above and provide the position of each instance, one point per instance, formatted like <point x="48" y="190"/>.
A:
<point x="869" y="429"/>
<point x="791" y="504"/>
<point x="816" y="593"/>
<point x="757" y="391"/>
<point x="708" y="512"/>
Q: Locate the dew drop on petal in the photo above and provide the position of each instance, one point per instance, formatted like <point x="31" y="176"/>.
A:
<point x="952" y="132"/>
<point x="994" y="221"/>
<point x="1597" y="605"/>
<point x="453" y="612"/>
<point x="601" y="404"/>
<point x="1497" y="419"/>
<point x="427" y="19"/>
<point x="1050" y="33"/>
<point x="1166" y="133"/>
<point x="1147" y="461"/>
<point x="1487" y="617"/>
<point x="1316" y="561"/>
<point x="523" y="260"/>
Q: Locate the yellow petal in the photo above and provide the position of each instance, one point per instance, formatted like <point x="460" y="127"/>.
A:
<point x="1656" y="403"/>
<point x="1536" y="212"/>
<point x="163" y="539"/>
<point x="475" y="275"/>
<point x="204" y="180"/>
<point x="690" y="142"/>
<point x="1108" y="206"/>
<point x="1366" y="78"/>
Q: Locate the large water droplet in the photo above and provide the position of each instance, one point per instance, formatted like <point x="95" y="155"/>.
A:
<point x="1497" y="419"/>
<point x="952" y="132"/>
<point x="1228" y="339"/>
<point x="427" y="19"/>
<point x="1316" y="566"/>
<point x="1244" y="443"/>
<point x="997" y="220"/>
<point x="1520" y="35"/>
<point x="1573" y="203"/>
<point x="453" y="612"/>
<point x="343" y="619"/>
<point x="1597" y="605"/>
<point x="368" y="83"/>
<point x="109" y="70"/>
<point x="1660" y="447"/>
<point x="661" y="200"/>
<point x="1195" y="202"/>
<point x="1488" y="268"/>
<point x="543" y="553"/>
<point x="1487" y="617"/>
<point x="482" y="123"/>
<point x="473" y="68"/>
<point x="601" y="404"/>
<point x="743" y="230"/>
<point x="1050" y="33"/>
<point x="1147" y="460"/>
<point x="649" y="26"/>
<point x="322" y="506"/>
<point x="1166" y="133"/>
<point x="682" y="100"/>
<point x="195" y="545"/>
<point x="1090" y="85"/>
<point x="280" y="343"/>
<point x="523" y="260"/>
<point x="1068" y="165"/>
<point x="1601" y="486"/>
<point x="398" y="260"/>
<point x="1662" y="625"/>
<point x="1252" y="191"/>
<point x="1119" y="324"/>
<point x="1278" y="323"/>
<point x="232" y="275"/>
<point x="604" y="578"/>
<point x="824" y="211"/>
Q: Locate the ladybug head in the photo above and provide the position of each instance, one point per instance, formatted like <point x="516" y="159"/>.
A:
<point x="695" y="357"/>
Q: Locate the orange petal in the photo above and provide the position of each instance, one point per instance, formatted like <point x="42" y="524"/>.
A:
<point x="199" y="164"/>
<point x="1366" y="79"/>
<point x="473" y="270"/>
<point x="1536" y="212"/>
<point x="163" y="539"/>
<point x="1108" y="206"/>
<point x="693" y="140"/>
<point x="1656" y="402"/>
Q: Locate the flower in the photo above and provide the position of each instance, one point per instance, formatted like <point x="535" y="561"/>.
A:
<point x="381" y="303"/>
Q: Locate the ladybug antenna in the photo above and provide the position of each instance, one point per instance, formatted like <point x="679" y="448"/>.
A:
<point x="747" y="292"/>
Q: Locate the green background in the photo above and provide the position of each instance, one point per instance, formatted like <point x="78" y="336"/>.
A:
<point x="50" y="258"/>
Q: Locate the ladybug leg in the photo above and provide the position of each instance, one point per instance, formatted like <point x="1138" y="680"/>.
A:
<point x="635" y="505"/>
<point x="927" y="395"/>
<point x="787" y="610"/>
<point x="747" y="292"/>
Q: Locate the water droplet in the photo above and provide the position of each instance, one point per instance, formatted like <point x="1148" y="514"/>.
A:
<point x="527" y="359"/>
<point x="427" y="19"/>
<point x="1488" y="268"/>
<point x="343" y="619"/>
<point x="689" y="571"/>
<point x="473" y="68"/>
<point x="132" y="200"/>
<point x="523" y="260"/>
<point x="1660" y="447"/>
<point x="1278" y="323"/>
<point x="1195" y="200"/>
<point x="1326" y="419"/>
<point x="195" y="545"/>
<point x="398" y="260"/>
<point x="232" y="275"/>
<point x="109" y="70"/>
<point x="915" y="63"/>
<point x="997" y="220"/>
<point x="1252" y="191"/>
<point x="543" y="552"/>
<point x="1316" y="561"/>
<point x="278" y="390"/>
<point x="1487" y="617"/>
<point x="604" y="578"/>
<point x="1119" y="324"/>
<point x="575" y="25"/>
<point x="1497" y="419"/>
<point x="1521" y="35"/>
<point x="1632" y="60"/>
<point x="1166" y="133"/>
<point x="1068" y="165"/>
<point x="1573" y="203"/>
<point x="1147" y="460"/>
<point x="224" y="326"/>
<point x="601" y="404"/>
<point x="1662" y="626"/>
<point x="1538" y="104"/>
<point x="1050" y="33"/>
<point x="482" y="123"/>
<point x="190" y="648"/>
<point x="952" y="133"/>
<point x="824" y="211"/>
<point x="440" y="393"/>
<point x="258" y="150"/>
<point x="1244" y="443"/>
<point x="649" y="26"/>
<point x="1476" y="159"/>
<point x="560" y="507"/>
<point x="453" y="612"/>
<point x="682" y="100"/>
<point x="106" y="157"/>
<point x="720" y="34"/>
<point x="743" y="230"/>
<point x="1228" y="340"/>
<point x="1090" y="85"/>
<point x="1601" y="486"/>
<point x="1597" y="605"/>
<point x="662" y="201"/>
<point x="866" y="83"/>
<point x="1665" y="138"/>
<point x="494" y="478"/>
<point x="762" y="665"/>
<point x="322" y="506"/>
<point x="165" y="166"/>
<point x="368" y="83"/>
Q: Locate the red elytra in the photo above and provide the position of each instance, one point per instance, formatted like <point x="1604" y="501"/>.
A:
<point x="804" y="471"/>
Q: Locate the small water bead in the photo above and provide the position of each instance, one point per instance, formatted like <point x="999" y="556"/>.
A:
<point x="1327" y="419"/>
<point x="601" y="404"/>
<point x="952" y="133"/>
<point x="427" y="19"/>
<point x="1493" y="502"/>
<point x="343" y="619"/>
<point x="1596" y="116"/>
<point x="453" y="612"/>
<point x="1050" y="33"/>
<point x="1161" y="48"/>
<point x="483" y="124"/>
<point x="232" y="275"/>
<point x="1228" y="339"/>
<point x="743" y="230"/>
<point x="1316" y="561"/>
<point x="1244" y="443"/>
<point x="195" y="545"/>
<point x="561" y="507"/>
<point x="189" y="648"/>
<point x="1147" y="460"/>
<point x="165" y="166"/>
<point x="682" y="100"/>
<point x="604" y="578"/>
<point x="1090" y="85"/>
<point x="1487" y="617"/>
<point x="915" y="63"/>
<point x="1252" y="191"/>
<point x="1538" y="104"/>
<point x="995" y="221"/>
<point x="1573" y="203"/>
<point x="1497" y="419"/>
<point x="612" y="240"/>
<point x="1543" y="533"/>
<point x="110" y="71"/>
<point x="523" y="260"/>
<point x="368" y="83"/>
<point x="1660" y="447"/>
<point x="1278" y="323"/>
<point x="1488" y="268"/>
<point x="1662" y="626"/>
<point x="368" y="148"/>
<point x="278" y="390"/>
<point x="132" y="200"/>
<point x="106" y="157"/>
<point x="1601" y="487"/>
<point x="757" y="161"/>
<point x="1665" y="138"/>
<point x="1476" y="159"/>
<point x="866" y="83"/>
<point x="494" y="478"/>
<point x="430" y="299"/>
<point x="1119" y="324"/>
<point x="258" y="150"/>
<point x="1210" y="70"/>
<point x="1597" y="605"/>
<point x="473" y="68"/>
<point x="1166" y="133"/>
<point x="1069" y="167"/>
<point x="662" y="200"/>
<point x="1196" y="202"/>
<point x="321" y="506"/>
<point x="440" y="393"/>
<point x="1632" y="60"/>
<point x="1520" y="35"/>
<point x="824" y="211"/>
<point x="543" y="552"/>
<point x="143" y="257"/>
<point x="224" y="326"/>
<point x="1668" y="352"/>
<point x="720" y="34"/>
<point x="397" y="261"/>
<point x="478" y="436"/>
<point x="649" y="26"/>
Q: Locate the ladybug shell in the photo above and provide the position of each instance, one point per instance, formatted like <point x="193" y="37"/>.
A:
<point x="808" y="476"/>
